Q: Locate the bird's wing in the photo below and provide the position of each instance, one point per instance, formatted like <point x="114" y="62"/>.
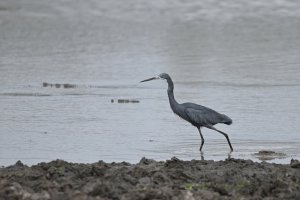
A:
<point x="204" y="116"/>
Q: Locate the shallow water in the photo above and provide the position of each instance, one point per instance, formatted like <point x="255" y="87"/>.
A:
<point x="235" y="58"/>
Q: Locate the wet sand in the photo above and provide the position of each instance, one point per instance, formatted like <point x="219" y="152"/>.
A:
<point x="149" y="179"/>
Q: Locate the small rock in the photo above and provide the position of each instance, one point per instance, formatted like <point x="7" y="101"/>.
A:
<point x="38" y="196"/>
<point x="19" y="164"/>
<point x="17" y="190"/>
<point x="146" y="161"/>
<point x="144" y="181"/>
<point x="188" y="195"/>
<point x="174" y="159"/>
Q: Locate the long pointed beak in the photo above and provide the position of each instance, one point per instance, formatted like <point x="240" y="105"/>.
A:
<point x="150" y="79"/>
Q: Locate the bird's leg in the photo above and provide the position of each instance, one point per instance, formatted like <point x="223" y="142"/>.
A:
<point x="202" y="139"/>
<point x="213" y="128"/>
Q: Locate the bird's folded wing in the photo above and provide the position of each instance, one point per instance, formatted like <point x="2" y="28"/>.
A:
<point x="203" y="116"/>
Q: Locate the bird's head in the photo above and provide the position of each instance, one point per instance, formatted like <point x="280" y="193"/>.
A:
<point x="160" y="76"/>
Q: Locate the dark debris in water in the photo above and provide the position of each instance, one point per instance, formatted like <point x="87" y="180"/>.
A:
<point x="124" y="101"/>
<point x="24" y="94"/>
<point x="59" y="85"/>
<point x="69" y="85"/>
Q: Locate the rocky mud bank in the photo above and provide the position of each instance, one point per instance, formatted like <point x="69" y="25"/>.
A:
<point x="149" y="179"/>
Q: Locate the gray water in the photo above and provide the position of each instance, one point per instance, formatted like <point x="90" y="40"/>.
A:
<point x="240" y="58"/>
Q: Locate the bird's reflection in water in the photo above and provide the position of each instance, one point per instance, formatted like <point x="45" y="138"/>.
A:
<point x="202" y="155"/>
<point x="229" y="155"/>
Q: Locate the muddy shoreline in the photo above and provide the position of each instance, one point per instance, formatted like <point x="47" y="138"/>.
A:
<point x="149" y="179"/>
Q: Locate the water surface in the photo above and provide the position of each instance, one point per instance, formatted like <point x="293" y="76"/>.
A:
<point x="239" y="58"/>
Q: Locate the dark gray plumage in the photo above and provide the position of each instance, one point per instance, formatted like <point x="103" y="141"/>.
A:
<point x="199" y="116"/>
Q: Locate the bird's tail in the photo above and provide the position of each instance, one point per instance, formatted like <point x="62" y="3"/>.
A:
<point x="227" y="120"/>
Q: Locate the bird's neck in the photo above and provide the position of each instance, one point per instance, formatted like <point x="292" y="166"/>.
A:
<point x="172" y="100"/>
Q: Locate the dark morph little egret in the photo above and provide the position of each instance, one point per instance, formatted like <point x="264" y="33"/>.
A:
<point x="199" y="116"/>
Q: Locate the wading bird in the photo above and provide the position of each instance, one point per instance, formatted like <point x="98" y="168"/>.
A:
<point x="199" y="116"/>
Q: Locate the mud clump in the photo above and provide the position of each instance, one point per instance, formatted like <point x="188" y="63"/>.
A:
<point x="269" y="155"/>
<point x="150" y="179"/>
<point x="295" y="163"/>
